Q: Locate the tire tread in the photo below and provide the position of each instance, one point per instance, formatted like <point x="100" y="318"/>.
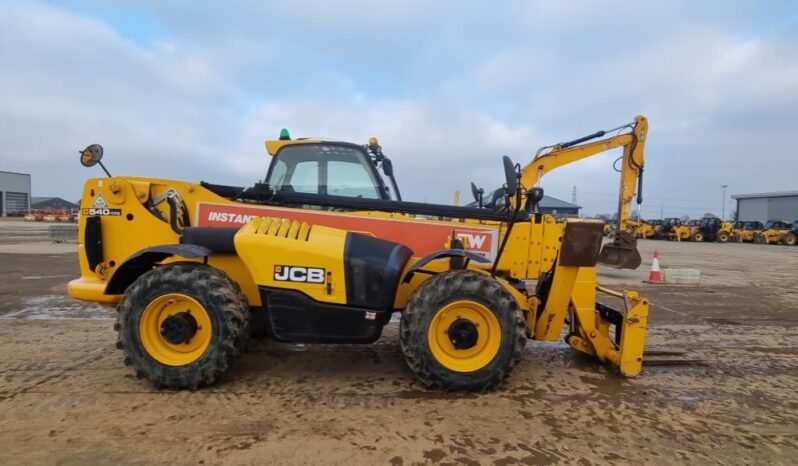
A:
<point x="427" y="299"/>
<point x="217" y="291"/>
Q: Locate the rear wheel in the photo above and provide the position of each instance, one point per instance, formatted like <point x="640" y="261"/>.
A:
<point x="462" y="330"/>
<point x="790" y="239"/>
<point x="698" y="236"/>
<point x="723" y="237"/>
<point x="182" y="325"/>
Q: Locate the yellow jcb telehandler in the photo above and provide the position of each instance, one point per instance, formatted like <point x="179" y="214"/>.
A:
<point x="325" y="250"/>
<point x="745" y="232"/>
<point x="673" y="230"/>
<point x="640" y="229"/>
<point x="773" y="232"/>
<point x="713" y="229"/>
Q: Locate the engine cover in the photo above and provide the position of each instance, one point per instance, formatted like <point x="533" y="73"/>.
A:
<point x="328" y="265"/>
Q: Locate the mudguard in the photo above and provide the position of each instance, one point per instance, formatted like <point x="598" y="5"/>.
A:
<point x="441" y="254"/>
<point x="144" y="260"/>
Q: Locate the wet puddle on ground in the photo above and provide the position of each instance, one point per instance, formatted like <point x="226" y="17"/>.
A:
<point x="55" y="306"/>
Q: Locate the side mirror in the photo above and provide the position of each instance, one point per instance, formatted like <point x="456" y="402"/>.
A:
<point x="477" y="193"/>
<point x="387" y="166"/>
<point x="510" y="176"/>
<point x="91" y="155"/>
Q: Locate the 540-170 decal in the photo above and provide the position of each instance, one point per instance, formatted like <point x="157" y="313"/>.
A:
<point x="102" y="211"/>
<point x="100" y="207"/>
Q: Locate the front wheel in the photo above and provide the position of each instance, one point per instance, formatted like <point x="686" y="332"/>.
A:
<point x="790" y="239"/>
<point x="182" y="325"/>
<point x="698" y="236"/>
<point x="462" y="330"/>
<point x="723" y="237"/>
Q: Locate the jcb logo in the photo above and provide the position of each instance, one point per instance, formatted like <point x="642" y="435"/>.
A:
<point x="292" y="273"/>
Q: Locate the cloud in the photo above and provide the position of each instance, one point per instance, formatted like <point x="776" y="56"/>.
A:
<point x="448" y="88"/>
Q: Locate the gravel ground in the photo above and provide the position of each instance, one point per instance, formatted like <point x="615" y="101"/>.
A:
<point x="66" y="397"/>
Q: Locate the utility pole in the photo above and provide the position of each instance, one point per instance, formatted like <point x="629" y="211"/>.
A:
<point x="573" y="196"/>
<point x="723" y="205"/>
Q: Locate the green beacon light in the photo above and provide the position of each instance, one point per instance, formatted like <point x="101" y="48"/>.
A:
<point x="284" y="136"/>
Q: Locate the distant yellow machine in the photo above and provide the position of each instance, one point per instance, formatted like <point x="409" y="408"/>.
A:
<point x="713" y="229"/>
<point x="325" y="250"/>
<point x="639" y="229"/>
<point x="673" y="229"/>
<point x="745" y="232"/>
<point x="774" y="232"/>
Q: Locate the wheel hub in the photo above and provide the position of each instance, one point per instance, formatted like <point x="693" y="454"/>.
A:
<point x="463" y="333"/>
<point x="179" y="328"/>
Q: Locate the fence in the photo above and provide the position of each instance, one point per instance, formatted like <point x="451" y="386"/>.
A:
<point x="63" y="233"/>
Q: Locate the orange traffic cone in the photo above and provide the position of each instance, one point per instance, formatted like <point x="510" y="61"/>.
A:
<point x="655" y="276"/>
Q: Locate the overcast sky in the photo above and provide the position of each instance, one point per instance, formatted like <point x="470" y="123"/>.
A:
<point x="191" y="91"/>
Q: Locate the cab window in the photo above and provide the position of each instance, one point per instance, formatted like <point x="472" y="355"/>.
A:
<point x="305" y="178"/>
<point x="324" y="169"/>
<point x="345" y="178"/>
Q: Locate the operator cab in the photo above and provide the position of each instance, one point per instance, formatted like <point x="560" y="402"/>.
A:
<point x="341" y="176"/>
<point x="329" y="168"/>
<point x="710" y="224"/>
<point x="671" y="223"/>
<point x="777" y="225"/>
<point x="322" y="168"/>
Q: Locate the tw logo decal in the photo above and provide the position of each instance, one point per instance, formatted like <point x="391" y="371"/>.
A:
<point x="293" y="273"/>
<point x="474" y="241"/>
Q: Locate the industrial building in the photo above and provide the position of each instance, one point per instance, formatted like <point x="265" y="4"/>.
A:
<point x="558" y="208"/>
<point x="767" y="206"/>
<point x="52" y="203"/>
<point x="14" y="193"/>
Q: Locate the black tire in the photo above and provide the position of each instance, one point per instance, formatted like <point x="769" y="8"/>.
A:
<point x="790" y="239"/>
<point x="723" y="237"/>
<point x="698" y="236"/>
<point x="446" y="288"/>
<point x="216" y="292"/>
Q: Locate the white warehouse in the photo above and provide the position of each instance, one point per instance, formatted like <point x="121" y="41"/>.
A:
<point x="14" y="193"/>
<point x="767" y="206"/>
